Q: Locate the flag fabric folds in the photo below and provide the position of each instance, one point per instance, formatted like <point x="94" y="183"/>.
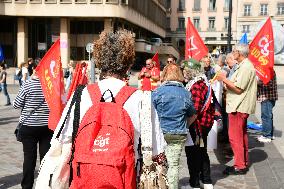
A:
<point x="156" y="60"/>
<point x="244" y="39"/>
<point x="1" y="54"/>
<point x="262" y="52"/>
<point x="50" y="74"/>
<point x="194" y="46"/>
<point x="79" y="78"/>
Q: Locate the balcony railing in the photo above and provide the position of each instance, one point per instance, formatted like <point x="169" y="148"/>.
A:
<point x="181" y="9"/>
<point x="196" y="9"/>
<point x="247" y="14"/>
<point x="226" y="9"/>
<point x="211" y="29"/>
<point x="180" y="29"/>
<point x="212" y="9"/>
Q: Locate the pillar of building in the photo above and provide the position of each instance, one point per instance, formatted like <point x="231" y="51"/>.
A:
<point x="108" y="24"/>
<point x="65" y="41"/>
<point x="22" y="41"/>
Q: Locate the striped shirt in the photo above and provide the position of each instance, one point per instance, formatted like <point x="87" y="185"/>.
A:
<point x="29" y="97"/>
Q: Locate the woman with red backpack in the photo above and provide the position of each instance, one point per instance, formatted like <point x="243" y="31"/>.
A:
<point x="105" y="144"/>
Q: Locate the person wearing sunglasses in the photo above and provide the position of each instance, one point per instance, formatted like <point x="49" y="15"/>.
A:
<point x="171" y="59"/>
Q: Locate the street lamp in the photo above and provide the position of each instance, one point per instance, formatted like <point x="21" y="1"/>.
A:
<point x="229" y="27"/>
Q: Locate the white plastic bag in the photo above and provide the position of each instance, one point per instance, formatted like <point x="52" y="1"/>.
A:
<point x="54" y="170"/>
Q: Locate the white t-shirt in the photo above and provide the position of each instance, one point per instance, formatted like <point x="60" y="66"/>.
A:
<point x="131" y="106"/>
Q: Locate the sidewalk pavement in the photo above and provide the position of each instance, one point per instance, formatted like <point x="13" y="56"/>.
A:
<point x="266" y="169"/>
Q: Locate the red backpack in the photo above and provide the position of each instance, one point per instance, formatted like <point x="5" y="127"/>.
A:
<point x="103" y="154"/>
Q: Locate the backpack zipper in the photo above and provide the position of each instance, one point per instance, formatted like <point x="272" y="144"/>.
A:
<point x="78" y="169"/>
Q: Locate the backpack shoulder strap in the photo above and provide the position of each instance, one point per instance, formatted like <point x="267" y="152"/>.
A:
<point x="95" y="93"/>
<point x="124" y="93"/>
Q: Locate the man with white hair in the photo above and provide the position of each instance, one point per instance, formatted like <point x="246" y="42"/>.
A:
<point x="240" y="102"/>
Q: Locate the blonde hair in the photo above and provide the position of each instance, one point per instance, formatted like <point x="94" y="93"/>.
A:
<point x="172" y="72"/>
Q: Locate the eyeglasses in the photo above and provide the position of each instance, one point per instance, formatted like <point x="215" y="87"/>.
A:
<point x="169" y="61"/>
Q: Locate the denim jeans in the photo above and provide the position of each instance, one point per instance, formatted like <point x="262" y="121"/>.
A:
<point x="5" y="92"/>
<point x="267" y="117"/>
<point x="173" y="153"/>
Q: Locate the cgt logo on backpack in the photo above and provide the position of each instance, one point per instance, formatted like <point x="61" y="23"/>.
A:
<point x="101" y="142"/>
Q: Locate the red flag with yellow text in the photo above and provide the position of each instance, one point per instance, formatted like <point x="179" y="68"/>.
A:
<point x="50" y="74"/>
<point x="156" y="60"/>
<point x="194" y="46"/>
<point x="262" y="52"/>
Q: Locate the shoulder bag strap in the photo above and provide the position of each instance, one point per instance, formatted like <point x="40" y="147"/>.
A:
<point x="77" y="93"/>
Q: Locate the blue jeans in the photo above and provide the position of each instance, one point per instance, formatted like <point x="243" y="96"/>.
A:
<point x="3" y="88"/>
<point x="267" y="117"/>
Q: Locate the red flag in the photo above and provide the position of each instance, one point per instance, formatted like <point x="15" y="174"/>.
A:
<point x="79" y="78"/>
<point x="50" y="75"/>
<point x="156" y="60"/>
<point x="262" y="52"/>
<point x="194" y="46"/>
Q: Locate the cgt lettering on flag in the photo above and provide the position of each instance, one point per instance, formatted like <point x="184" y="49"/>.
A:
<point x="262" y="52"/>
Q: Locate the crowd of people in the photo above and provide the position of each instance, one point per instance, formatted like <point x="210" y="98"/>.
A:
<point x="183" y="109"/>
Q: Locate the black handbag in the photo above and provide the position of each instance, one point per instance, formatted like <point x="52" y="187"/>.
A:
<point x="20" y="124"/>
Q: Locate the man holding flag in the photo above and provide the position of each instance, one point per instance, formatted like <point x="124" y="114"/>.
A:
<point x="149" y="76"/>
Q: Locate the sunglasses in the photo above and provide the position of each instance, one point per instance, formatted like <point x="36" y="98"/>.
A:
<point x="169" y="61"/>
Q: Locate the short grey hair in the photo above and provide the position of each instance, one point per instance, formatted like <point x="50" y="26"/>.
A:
<point x="230" y="55"/>
<point x="243" y="49"/>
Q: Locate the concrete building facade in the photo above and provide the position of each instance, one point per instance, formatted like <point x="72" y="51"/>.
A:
<point x="251" y="13"/>
<point x="210" y="18"/>
<point x="30" y="27"/>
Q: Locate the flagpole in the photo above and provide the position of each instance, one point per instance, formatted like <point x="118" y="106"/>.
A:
<point x="229" y="27"/>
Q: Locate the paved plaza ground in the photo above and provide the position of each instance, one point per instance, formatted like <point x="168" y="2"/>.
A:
<point x="266" y="169"/>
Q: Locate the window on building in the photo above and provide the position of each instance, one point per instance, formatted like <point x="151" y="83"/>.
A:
<point x="263" y="9"/>
<point x="226" y="5"/>
<point x="124" y="2"/>
<point x="168" y="4"/>
<point x="196" y="5"/>
<point x="86" y="27"/>
<point x="96" y="1"/>
<point x="280" y="8"/>
<point x="181" y="5"/>
<point x="65" y="1"/>
<point x="246" y="28"/>
<point x="80" y="1"/>
<point x="111" y="1"/>
<point x="50" y="1"/>
<point x="211" y="23"/>
<point x="181" y="23"/>
<point x="196" y="22"/>
<point x="168" y="23"/>
<point x="212" y="5"/>
<point x="35" y="1"/>
<point x="247" y="9"/>
<point x="20" y="1"/>
<point x="226" y="23"/>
